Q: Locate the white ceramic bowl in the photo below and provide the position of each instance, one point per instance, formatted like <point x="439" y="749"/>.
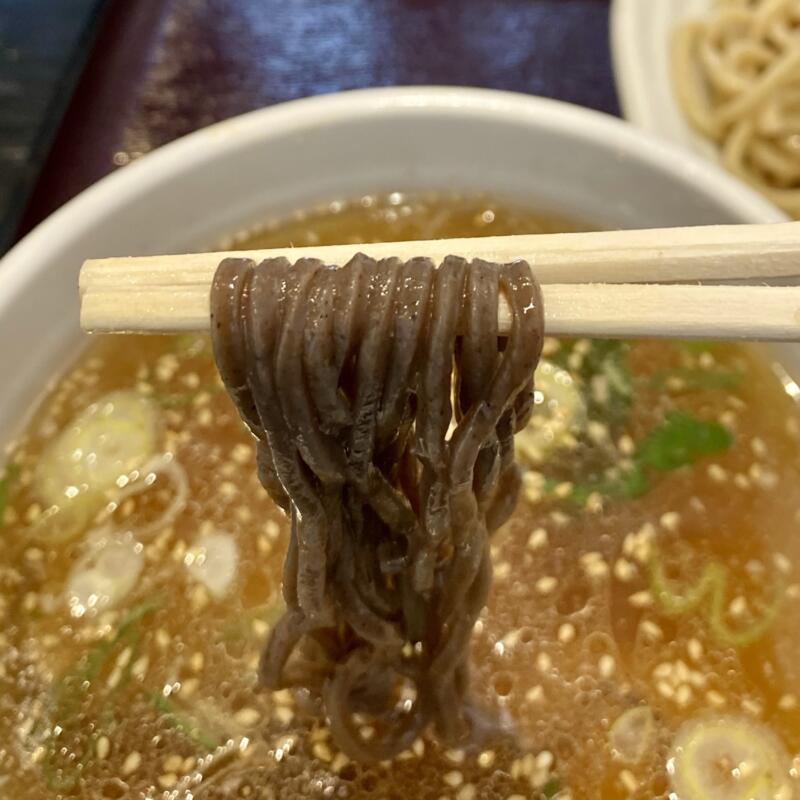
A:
<point x="188" y="194"/>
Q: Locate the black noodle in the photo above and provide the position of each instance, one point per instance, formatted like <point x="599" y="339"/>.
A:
<point x="385" y="403"/>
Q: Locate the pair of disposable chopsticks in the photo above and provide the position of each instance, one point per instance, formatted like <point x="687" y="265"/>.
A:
<point x="645" y="283"/>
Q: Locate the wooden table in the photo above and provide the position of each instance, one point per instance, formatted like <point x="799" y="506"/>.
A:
<point x="162" y="68"/>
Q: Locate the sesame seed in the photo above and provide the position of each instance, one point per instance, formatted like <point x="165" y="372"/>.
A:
<point x="283" y="714"/>
<point x="738" y="606"/>
<point x="717" y="473"/>
<point x="340" y="761"/>
<point x="272" y="529"/>
<point x="228" y="489"/>
<point x="563" y="490"/>
<point x="793" y="427"/>
<point x="543" y="662"/>
<point x="546" y="584"/>
<point x="550" y="346"/>
<point x="574" y="360"/>
<point x="594" y="503"/>
<point x="131" y="763"/>
<point x="486" y="759"/>
<point x="453" y="778"/>
<point x="173" y="763"/>
<point x="650" y="630"/>
<point x="684" y="695"/>
<point x="247" y="717"/>
<point x="537" y="539"/>
<point x="626" y="445"/>
<point x="642" y="599"/>
<point x="455" y="756"/>
<point x="782" y="563"/>
<point x="624" y="570"/>
<point x="114" y="677"/>
<point x="139" y="668"/>
<point x="168" y="780"/>
<point x="196" y="661"/>
<point x="628" y="781"/>
<point x="418" y="748"/>
<point x="544" y="760"/>
<point x="787" y="702"/>
<point x="741" y="481"/>
<point x="601" y="390"/>
<point x="598" y="431"/>
<point x="670" y="521"/>
<point x="502" y="571"/>
<point x="665" y="689"/>
<point x="695" y="649"/>
<point x="763" y="477"/>
<point x="662" y="670"/>
<point x="714" y="698"/>
<point x="189" y="687"/>
<point x="319" y="734"/>
<point x="199" y="597"/>
<point x="322" y="752"/>
<point x="535" y="694"/>
<point x="103" y="747"/>
<point x="607" y="665"/>
<point x="594" y="565"/>
<point x="467" y="792"/>
<point x="566" y="633"/>
<point x="752" y="707"/>
<point x="728" y="419"/>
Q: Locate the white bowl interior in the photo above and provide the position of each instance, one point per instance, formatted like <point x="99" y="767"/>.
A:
<point x="189" y="194"/>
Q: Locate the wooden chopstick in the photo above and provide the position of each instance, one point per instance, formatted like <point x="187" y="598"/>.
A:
<point x="755" y="313"/>
<point x="171" y="293"/>
<point x="680" y="255"/>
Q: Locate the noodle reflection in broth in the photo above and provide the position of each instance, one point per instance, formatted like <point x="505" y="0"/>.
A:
<point x="345" y="377"/>
<point x="737" y="78"/>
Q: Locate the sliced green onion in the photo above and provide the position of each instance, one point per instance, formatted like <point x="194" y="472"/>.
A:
<point x="632" y="734"/>
<point x="729" y="758"/>
<point x="674" y="600"/>
<point x="742" y="637"/>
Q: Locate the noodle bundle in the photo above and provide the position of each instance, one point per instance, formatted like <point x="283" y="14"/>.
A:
<point x="737" y="78"/>
<point x="384" y="402"/>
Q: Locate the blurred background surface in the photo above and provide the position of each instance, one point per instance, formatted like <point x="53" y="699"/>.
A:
<point x="87" y="86"/>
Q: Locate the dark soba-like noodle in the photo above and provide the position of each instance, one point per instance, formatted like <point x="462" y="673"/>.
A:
<point x="384" y="402"/>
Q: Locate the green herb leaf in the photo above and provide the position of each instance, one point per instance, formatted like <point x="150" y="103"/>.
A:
<point x="698" y="378"/>
<point x="551" y="788"/>
<point x="681" y="439"/>
<point x="698" y="346"/>
<point x="630" y="483"/>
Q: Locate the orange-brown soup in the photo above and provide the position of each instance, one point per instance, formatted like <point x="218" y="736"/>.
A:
<point x="642" y="634"/>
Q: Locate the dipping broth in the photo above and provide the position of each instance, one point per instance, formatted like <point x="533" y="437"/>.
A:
<point x="642" y="633"/>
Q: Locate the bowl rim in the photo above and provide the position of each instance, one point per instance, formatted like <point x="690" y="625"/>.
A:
<point x="36" y="250"/>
